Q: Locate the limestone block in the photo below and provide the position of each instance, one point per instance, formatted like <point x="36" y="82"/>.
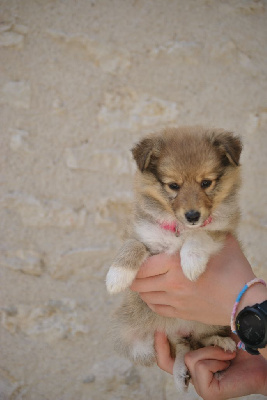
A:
<point x="27" y="261"/>
<point x="183" y="51"/>
<point x="246" y="62"/>
<point x="125" y="109"/>
<point x="46" y="213"/>
<point x="5" y="26"/>
<point x="108" y="58"/>
<point x="10" y="387"/>
<point x="113" y="377"/>
<point x="262" y="115"/>
<point x="11" y="39"/>
<point x="225" y="51"/>
<point x="19" y="28"/>
<point x="16" y="94"/>
<point x="114" y="373"/>
<point x="251" y="6"/>
<point x="82" y="263"/>
<point x="58" y="107"/>
<point x="111" y="161"/>
<point x="115" y="211"/>
<point x="254" y="157"/>
<point x="18" y="140"/>
<point x="54" y="320"/>
<point x="111" y="368"/>
<point x="257" y="121"/>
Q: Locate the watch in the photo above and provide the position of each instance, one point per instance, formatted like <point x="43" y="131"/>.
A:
<point x="251" y="327"/>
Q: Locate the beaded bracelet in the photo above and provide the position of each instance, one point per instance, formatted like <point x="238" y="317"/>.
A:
<point x="241" y="293"/>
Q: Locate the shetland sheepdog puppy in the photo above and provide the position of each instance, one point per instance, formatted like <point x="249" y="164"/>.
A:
<point x="186" y="200"/>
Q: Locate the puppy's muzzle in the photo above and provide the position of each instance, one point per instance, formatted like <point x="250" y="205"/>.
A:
<point x="192" y="216"/>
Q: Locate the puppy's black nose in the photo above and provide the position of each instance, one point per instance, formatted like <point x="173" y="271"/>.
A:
<point x="192" y="215"/>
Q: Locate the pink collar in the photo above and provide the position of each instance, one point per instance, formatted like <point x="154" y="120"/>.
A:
<point x="173" y="226"/>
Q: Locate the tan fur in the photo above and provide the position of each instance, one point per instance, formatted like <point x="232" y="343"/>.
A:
<point x="189" y="157"/>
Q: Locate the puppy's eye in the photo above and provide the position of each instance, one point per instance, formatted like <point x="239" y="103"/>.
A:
<point x="174" y="186"/>
<point x="206" y="183"/>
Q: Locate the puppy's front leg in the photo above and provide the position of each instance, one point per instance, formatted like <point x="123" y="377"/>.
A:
<point x="196" y="252"/>
<point x="226" y="343"/>
<point x="126" y="265"/>
<point x="180" y="372"/>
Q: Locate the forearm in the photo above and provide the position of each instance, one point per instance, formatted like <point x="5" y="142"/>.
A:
<point x="255" y="294"/>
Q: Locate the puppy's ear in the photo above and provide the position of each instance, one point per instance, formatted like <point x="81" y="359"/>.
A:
<point x="228" y="145"/>
<point x="147" y="152"/>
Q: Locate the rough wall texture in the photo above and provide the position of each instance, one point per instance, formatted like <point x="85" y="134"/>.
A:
<point x="80" y="82"/>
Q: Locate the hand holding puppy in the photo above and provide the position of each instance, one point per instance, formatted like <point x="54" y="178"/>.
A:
<point x="163" y="286"/>
<point x="175" y="295"/>
<point x="244" y="374"/>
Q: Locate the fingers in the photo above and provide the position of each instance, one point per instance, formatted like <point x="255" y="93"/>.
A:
<point x="157" y="265"/>
<point x="149" y="284"/>
<point x="202" y="364"/>
<point x="206" y="361"/>
<point x="209" y="367"/>
<point x="162" y="347"/>
<point x="158" y="272"/>
<point x="155" y="298"/>
<point x="202" y="376"/>
<point x="207" y="353"/>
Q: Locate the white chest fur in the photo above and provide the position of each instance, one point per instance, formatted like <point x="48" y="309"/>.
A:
<point x="195" y="246"/>
<point x="157" y="239"/>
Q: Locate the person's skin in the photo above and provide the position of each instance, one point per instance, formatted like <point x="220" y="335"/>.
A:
<point x="243" y="374"/>
<point x="163" y="286"/>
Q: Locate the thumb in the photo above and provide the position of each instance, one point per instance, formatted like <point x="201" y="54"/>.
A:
<point x="203" y="376"/>
<point x="162" y="347"/>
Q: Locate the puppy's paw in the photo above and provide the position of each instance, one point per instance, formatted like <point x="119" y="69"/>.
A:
<point x="181" y="376"/>
<point x="226" y="343"/>
<point x="193" y="264"/>
<point x="119" y="279"/>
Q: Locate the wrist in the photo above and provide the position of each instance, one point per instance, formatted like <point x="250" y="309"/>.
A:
<point x="249" y="317"/>
<point x="255" y="294"/>
<point x="236" y="288"/>
<point x="240" y="297"/>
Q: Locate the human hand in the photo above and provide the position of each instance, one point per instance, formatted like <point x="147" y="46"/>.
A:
<point x="163" y="286"/>
<point x="243" y="374"/>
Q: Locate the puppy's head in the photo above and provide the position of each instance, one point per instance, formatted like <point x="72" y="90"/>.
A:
<point x="187" y="172"/>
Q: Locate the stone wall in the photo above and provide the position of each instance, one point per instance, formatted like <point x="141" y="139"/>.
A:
<point x="80" y="82"/>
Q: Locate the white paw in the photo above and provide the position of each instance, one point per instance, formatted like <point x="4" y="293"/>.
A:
<point x="193" y="264"/>
<point x="226" y="343"/>
<point x="181" y="376"/>
<point x="118" y="279"/>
